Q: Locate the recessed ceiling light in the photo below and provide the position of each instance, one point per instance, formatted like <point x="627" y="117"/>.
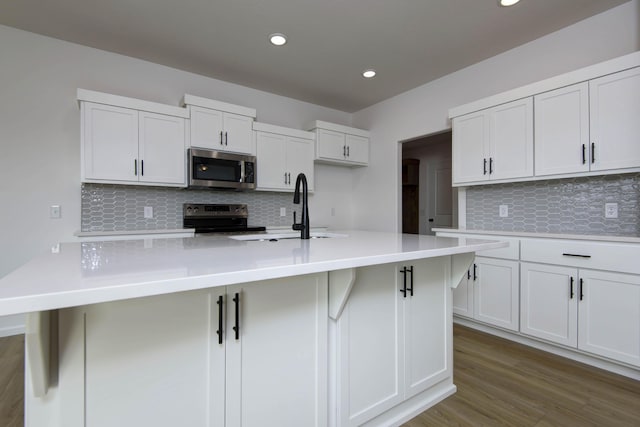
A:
<point x="508" y="2"/>
<point x="278" y="39"/>
<point x="368" y="73"/>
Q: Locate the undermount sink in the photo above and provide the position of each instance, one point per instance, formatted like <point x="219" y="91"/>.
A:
<point x="274" y="237"/>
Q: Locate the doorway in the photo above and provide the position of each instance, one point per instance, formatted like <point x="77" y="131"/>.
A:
<point x="428" y="199"/>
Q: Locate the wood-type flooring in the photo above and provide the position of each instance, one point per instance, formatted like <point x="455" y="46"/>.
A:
<point x="500" y="383"/>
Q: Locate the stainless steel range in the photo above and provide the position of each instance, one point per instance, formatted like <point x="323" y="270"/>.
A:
<point x="210" y="218"/>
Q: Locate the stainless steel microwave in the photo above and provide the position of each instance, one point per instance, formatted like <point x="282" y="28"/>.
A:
<point x="216" y="169"/>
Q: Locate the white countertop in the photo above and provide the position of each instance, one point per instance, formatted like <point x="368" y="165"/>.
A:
<point x="597" y="238"/>
<point x="94" y="272"/>
<point x="132" y="232"/>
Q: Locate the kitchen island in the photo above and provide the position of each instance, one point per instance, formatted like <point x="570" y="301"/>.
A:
<point x="354" y="329"/>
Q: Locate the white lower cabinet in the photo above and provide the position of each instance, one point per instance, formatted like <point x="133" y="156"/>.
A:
<point x="160" y="361"/>
<point x="595" y="311"/>
<point x="496" y="292"/>
<point x="463" y="296"/>
<point x="391" y="347"/>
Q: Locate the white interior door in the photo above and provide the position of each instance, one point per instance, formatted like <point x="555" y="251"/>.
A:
<point x="439" y="196"/>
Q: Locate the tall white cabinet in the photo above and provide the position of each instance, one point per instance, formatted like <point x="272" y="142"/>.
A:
<point x="388" y="332"/>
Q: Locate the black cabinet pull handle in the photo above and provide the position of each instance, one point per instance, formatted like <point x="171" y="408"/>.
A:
<point x="581" y="294"/>
<point x="468" y="274"/>
<point x="571" y="288"/>
<point x="475" y="272"/>
<point x="490" y="165"/>
<point x="348" y="147"/>
<point x="285" y="178"/>
<point x="221" y="140"/>
<point x="226" y="139"/>
<point x="135" y="167"/>
<point x="236" y="328"/>
<point x="220" y="326"/>
<point x="403" y="291"/>
<point x="142" y="167"/>
<point x="577" y="255"/>
<point x="584" y="154"/>
<point x="484" y="168"/>
<point x="411" y="271"/>
<point x="593" y="152"/>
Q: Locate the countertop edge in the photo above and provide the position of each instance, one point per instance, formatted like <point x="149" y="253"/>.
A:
<point x="59" y="300"/>
<point x="595" y="238"/>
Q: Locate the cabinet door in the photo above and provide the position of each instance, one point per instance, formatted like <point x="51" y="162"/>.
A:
<point x="238" y="133"/>
<point x="562" y="130"/>
<point x="511" y="140"/>
<point x="206" y="128"/>
<point x="110" y="143"/>
<point x="277" y="367"/>
<point x="357" y="149"/>
<point x="369" y="346"/>
<point x="271" y="167"/>
<point x="609" y="315"/>
<point x="615" y="108"/>
<point x="154" y="361"/>
<point x="427" y="322"/>
<point x="463" y="296"/>
<point x="470" y="148"/>
<point x="162" y="149"/>
<point x="496" y="293"/>
<point x="549" y="303"/>
<point x="300" y="160"/>
<point x="330" y="145"/>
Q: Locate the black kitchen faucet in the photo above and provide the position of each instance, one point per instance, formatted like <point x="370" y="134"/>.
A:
<point x="304" y="225"/>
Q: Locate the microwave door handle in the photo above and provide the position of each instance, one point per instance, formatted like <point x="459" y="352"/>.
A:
<point x="241" y="171"/>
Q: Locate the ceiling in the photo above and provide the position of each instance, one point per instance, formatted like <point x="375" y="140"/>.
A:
<point x="408" y="42"/>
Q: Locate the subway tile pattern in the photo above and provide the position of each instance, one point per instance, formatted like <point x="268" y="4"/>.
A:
<point x="108" y="207"/>
<point x="573" y="205"/>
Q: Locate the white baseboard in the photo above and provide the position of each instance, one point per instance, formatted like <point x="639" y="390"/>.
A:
<point x="12" y="325"/>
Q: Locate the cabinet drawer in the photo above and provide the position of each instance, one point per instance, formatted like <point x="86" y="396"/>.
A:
<point x="621" y="257"/>
<point x="510" y="252"/>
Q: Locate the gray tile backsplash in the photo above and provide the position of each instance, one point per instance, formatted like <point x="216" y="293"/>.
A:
<point x="572" y="205"/>
<point x="121" y="207"/>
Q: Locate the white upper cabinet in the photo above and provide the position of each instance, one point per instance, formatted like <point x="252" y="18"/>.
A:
<point x="220" y="126"/>
<point x="562" y="130"/>
<point x="161" y="147"/>
<point x="494" y="144"/>
<point x="341" y="145"/>
<point x="130" y="144"/>
<point x="579" y="123"/>
<point x="615" y="128"/>
<point x="282" y="154"/>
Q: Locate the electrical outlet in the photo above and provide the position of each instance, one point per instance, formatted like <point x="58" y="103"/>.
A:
<point x="283" y="211"/>
<point x="611" y="210"/>
<point x="504" y="211"/>
<point x="148" y="212"/>
<point x="54" y="211"/>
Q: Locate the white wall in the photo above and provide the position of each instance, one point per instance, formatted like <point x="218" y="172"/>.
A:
<point x="40" y="134"/>
<point x="424" y="110"/>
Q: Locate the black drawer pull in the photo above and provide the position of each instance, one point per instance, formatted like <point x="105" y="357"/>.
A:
<point x="584" y="154"/>
<point x="475" y="272"/>
<point x="581" y="294"/>
<point x="411" y="271"/>
<point x="593" y="152"/>
<point x="403" y="291"/>
<point x="577" y="255"/>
